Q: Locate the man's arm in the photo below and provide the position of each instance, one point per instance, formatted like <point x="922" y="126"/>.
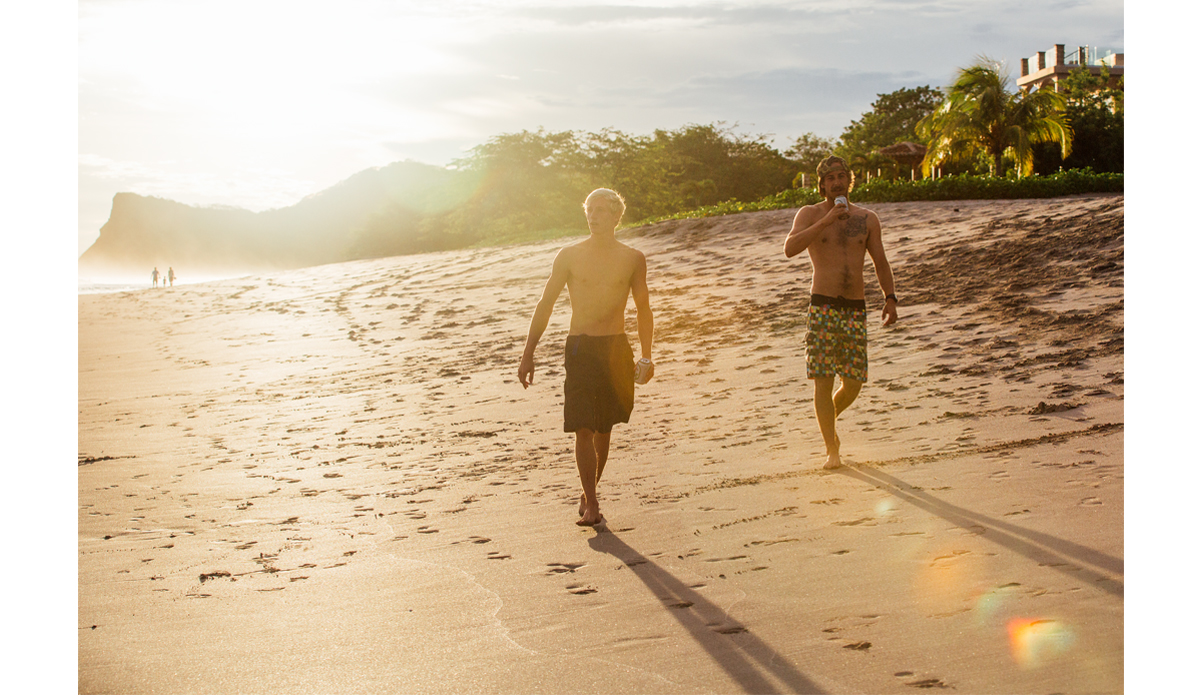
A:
<point x="883" y="269"/>
<point x="807" y="226"/>
<point x="645" y="317"/>
<point x="541" y="316"/>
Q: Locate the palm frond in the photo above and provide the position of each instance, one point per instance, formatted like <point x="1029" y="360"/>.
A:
<point x="982" y="115"/>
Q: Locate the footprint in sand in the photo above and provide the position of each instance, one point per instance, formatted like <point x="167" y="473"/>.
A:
<point x="944" y="560"/>
<point x="865" y="520"/>
<point x="563" y="567"/>
<point x="579" y="590"/>
<point x="929" y="683"/>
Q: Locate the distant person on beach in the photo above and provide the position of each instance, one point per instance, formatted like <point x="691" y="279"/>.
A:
<point x="838" y="235"/>
<point x="599" y="274"/>
<point x="171" y="276"/>
<point x="154" y="277"/>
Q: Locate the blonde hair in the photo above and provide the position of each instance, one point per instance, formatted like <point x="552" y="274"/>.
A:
<point x="608" y="197"/>
<point x="829" y="164"/>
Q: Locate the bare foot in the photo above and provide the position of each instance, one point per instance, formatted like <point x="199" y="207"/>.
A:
<point x="588" y="520"/>
<point x="590" y="517"/>
<point x="582" y="503"/>
<point x="834" y="459"/>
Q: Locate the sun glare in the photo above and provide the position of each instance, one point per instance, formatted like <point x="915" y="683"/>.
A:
<point x="270" y="69"/>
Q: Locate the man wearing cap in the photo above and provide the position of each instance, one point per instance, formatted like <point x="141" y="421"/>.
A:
<point x="838" y="236"/>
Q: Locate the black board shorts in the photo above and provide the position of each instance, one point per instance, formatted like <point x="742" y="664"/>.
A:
<point x="599" y="382"/>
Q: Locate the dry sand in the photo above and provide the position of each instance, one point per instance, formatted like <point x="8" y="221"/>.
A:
<point x="330" y="481"/>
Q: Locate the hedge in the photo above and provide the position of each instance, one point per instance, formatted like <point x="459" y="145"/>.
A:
<point x="955" y="187"/>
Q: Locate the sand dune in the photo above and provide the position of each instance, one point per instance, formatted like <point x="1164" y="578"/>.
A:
<point x="329" y="480"/>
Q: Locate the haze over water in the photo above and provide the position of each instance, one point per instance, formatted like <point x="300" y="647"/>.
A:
<point x="112" y="284"/>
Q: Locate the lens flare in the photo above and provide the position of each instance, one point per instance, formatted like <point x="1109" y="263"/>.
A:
<point x="1033" y="642"/>
<point x="989" y="605"/>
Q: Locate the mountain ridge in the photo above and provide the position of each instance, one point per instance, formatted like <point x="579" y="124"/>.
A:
<point x="352" y="219"/>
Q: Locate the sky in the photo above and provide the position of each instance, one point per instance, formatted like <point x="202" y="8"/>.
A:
<point x="258" y="103"/>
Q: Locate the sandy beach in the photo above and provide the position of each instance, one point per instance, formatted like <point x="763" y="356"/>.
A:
<point x="330" y="481"/>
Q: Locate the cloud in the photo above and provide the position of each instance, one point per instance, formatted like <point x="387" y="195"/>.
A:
<point x="662" y="15"/>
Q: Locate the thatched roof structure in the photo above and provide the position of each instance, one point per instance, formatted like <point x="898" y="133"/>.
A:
<point x="909" y="153"/>
<point x="905" y="154"/>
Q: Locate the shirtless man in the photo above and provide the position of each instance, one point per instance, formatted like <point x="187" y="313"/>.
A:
<point x="599" y="273"/>
<point x="837" y="238"/>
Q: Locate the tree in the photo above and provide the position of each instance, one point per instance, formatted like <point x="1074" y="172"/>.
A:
<point x="893" y="118"/>
<point x="709" y="164"/>
<point x="674" y="170"/>
<point x="533" y="182"/>
<point x="807" y="152"/>
<point x="980" y="115"/>
<point x="1096" y="112"/>
<point x="529" y="181"/>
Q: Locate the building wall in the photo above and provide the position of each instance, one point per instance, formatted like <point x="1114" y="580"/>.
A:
<point x="1048" y="67"/>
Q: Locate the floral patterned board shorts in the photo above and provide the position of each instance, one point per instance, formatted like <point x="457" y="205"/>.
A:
<point x="836" y="343"/>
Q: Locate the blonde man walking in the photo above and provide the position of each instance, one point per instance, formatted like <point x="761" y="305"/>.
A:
<point x="599" y="273"/>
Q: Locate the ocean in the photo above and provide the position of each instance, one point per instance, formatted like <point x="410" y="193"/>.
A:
<point x="91" y="285"/>
<point x="108" y="287"/>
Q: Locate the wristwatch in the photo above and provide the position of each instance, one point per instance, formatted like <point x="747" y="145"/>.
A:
<point x="891" y="297"/>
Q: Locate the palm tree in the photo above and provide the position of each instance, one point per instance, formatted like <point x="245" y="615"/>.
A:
<point x="981" y="116"/>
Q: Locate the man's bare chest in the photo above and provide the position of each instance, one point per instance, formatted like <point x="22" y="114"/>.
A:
<point x="847" y="236"/>
<point x="599" y="282"/>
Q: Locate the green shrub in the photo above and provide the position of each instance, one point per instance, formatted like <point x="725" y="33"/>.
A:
<point x="969" y="187"/>
<point x="957" y="187"/>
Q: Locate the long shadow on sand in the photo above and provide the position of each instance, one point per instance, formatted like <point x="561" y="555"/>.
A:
<point x="1065" y="556"/>
<point x="747" y="659"/>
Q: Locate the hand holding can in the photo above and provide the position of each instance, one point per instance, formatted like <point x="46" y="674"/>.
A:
<point x="643" y="370"/>
<point x="841" y="201"/>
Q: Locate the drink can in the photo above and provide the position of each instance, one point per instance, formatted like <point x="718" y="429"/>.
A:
<point x="641" y="371"/>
